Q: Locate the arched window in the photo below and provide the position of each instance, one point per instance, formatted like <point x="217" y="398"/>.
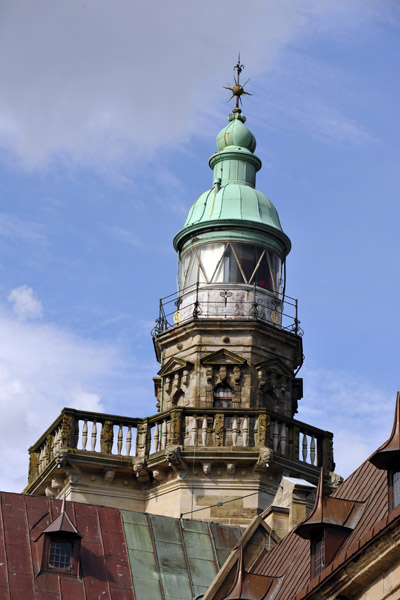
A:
<point x="223" y="399"/>
<point x="223" y="396"/>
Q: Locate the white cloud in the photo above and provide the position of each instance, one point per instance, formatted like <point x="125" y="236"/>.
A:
<point x="359" y="414"/>
<point x="126" y="236"/>
<point x="42" y="369"/>
<point x="97" y="81"/>
<point x="15" y="229"/>
<point x="24" y="303"/>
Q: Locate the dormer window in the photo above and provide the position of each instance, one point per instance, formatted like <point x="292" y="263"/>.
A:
<point x="394" y="487"/>
<point x="60" y="555"/>
<point x="327" y="526"/>
<point x="59" y="546"/>
<point x="317" y="555"/>
<point x="387" y="458"/>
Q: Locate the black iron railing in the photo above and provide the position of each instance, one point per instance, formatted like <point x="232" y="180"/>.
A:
<point x="222" y="302"/>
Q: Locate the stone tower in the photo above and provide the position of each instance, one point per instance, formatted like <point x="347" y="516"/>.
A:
<point x="229" y="347"/>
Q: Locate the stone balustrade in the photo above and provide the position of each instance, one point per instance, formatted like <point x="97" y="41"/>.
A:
<point x="123" y="438"/>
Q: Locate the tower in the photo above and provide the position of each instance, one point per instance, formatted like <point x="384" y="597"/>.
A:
<point x="229" y="341"/>
<point x="229" y="347"/>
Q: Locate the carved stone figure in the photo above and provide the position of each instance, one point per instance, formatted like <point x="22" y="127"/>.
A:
<point x="66" y="430"/>
<point x="158" y="474"/>
<point x="106" y="437"/>
<point x="174" y="458"/>
<point x="108" y="477"/>
<point x="219" y="429"/>
<point x="263" y="424"/>
<point x="175" y="429"/>
<point x="138" y="466"/>
<point x="207" y="469"/>
<point x="230" y="469"/>
<point x="264" y="458"/>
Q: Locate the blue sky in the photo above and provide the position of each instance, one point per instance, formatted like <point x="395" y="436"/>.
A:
<point x="108" y="115"/>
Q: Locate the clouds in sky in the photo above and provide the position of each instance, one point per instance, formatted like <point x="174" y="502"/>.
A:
<point x="24" y="303"/>
<point x="42" y="369"/>
<point x="94" y="81"/>
<point x="360" y="415"/>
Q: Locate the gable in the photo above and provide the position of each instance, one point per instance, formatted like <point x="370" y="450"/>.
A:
<point x="258" y="537"/>
<point x="223" y="357"/>
<point x="276" y="365"/>
<point x="173" y="365"/>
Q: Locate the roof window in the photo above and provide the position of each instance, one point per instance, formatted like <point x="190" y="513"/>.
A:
<point x="60" y="545"/>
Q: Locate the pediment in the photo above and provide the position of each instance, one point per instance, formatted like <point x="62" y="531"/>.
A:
<point x="223" y="357"/>
<point x="276" y="365"/>
<point x="173" y="365"/>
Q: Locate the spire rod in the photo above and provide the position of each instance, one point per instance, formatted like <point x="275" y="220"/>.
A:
<point x="237" y="89"/>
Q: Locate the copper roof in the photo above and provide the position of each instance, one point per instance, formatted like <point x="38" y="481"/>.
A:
<point x="124" y="555"/>
<point x="329" y="511"/>
<point x="62" y="524"/>
<point x="388" y="455"/>
<point x="291" y="557"/>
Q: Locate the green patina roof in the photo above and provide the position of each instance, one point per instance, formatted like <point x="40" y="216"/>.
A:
<point x="233" y="209"/>
<point x="233" y="201"/>
<point x="236" y="134"/>
<point x="175" y="558"/>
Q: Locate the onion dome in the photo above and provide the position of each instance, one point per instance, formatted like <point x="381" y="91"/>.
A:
<point x="236" y="133"/>
<point x="233" y="209"/>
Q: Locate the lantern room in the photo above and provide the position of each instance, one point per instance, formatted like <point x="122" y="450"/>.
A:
<point x="232" y="249"/>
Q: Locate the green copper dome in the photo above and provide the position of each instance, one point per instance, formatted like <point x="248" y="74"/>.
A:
<point x="233" y="209"/>
<point x="236" y="134"/>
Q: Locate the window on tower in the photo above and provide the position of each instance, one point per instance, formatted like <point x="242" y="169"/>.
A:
<point x="223" y="399"/>
<point x="233" y="262"/>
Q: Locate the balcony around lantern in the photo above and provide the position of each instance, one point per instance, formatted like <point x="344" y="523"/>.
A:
<point x="228" y="301"/>
<point x="228" y="280"/>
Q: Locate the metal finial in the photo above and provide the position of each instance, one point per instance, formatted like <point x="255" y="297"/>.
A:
<point x="237" y="89"/>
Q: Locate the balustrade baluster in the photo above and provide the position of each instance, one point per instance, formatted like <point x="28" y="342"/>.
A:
<point x="57" y="438"/>
<point x="128" y="441"/>
<point x="246" y="431"/>
<point x="204" y="431"/>
<point x="84" y="434"/>
<point x="94" y="436"/>
<point x="312" y="450"/>
<point x="235" y="431"/>
<point x="304" y="447"/>
<point x="148" y="439"/>
<point x="120" y="439"/>
<point x="43" y="459"/>
<point x="164" y="434"/>
<point x="283" y="438"/>
<point x="186" y="441"/>
<point x="275" y="437"/>
<point x="40" y="461"/>
<point x="193" y="441"/>
<point x="156" y="438"/>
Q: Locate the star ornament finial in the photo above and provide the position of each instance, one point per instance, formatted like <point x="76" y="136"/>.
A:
<point x="237" y="89"/>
